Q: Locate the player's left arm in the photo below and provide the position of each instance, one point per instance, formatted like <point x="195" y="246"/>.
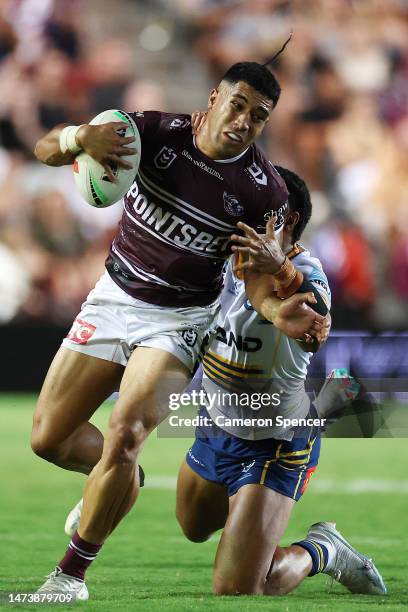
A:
<point x="270" y="275"/>
<point x="295" y="316"/>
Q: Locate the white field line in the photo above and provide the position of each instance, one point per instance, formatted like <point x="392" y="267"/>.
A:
<point x="317" y="485"/>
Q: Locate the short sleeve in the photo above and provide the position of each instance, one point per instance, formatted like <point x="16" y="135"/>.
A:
<point x="147" y="122"/>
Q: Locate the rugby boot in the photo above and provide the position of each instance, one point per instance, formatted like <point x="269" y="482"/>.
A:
<point x="347" y="566"/>
<point x="62" y="584"/>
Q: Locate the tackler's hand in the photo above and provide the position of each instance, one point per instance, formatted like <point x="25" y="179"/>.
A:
<point x="198" y="118"/>
<point x="297" y="320"/>
<point x="322" y="334"/>
<point x="262" y="253"/>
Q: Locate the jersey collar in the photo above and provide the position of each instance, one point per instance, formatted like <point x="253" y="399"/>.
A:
<point x="229" y="160"/>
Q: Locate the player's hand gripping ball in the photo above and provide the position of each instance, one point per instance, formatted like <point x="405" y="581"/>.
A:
<point x="105" y="171"/>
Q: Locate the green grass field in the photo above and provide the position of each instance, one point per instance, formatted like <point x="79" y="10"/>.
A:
<point x="147" y="565"/>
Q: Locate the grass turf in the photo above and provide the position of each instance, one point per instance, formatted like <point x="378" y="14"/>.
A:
<point x="147" y="565"/>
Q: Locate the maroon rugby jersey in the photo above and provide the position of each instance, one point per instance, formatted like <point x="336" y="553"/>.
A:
<point x="180" y="212"/>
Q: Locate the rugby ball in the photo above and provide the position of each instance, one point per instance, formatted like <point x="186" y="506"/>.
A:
<point x="90" y="176"/>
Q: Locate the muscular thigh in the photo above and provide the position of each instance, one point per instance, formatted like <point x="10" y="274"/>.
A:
<point x="75" y="386"/>
<point x="257" y="519"/>
<point x="150" y="376"/>
<point x="201" y="506"/>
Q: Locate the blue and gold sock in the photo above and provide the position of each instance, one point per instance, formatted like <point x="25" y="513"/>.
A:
<point x="319" y="553"/>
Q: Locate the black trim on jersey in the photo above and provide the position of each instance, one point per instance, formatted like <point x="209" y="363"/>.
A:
<point x="320" y="307"/>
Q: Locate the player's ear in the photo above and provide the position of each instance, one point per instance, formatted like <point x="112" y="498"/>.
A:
<point x="212" y="98"/>
<point x="291" y="221"/>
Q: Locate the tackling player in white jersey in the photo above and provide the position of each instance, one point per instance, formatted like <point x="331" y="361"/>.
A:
<point x="247" y="468"/>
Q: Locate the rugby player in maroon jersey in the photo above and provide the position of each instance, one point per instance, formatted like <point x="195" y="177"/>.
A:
<point x="144" y="323"/>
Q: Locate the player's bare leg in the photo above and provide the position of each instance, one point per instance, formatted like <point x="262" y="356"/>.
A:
<point x="113" y="485"/>
<point x="248" y="560"/>
<point x="290" y="566"/>
<point x="75" y="386"/>
<point x="256" y="522"/>
<point x="201" y="506"/>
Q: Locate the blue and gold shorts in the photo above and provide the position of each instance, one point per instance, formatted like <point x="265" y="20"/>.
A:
<point x="285" y="467"/>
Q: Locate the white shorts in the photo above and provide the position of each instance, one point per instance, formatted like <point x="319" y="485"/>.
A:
<point x="112" y="323"/>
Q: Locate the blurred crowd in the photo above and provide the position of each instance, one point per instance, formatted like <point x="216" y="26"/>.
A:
<point x="341" y="123"/>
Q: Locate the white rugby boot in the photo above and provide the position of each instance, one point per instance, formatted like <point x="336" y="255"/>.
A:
<point x="348" y="566"/>
<point x="59" y="583"/>
<point x="73" y="518"/>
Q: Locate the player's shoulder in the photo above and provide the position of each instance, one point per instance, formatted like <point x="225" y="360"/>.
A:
<point x="174" y="122"/>
<point x="312" y="268"/>
<point x="262" y="172"/>
<point x="160" y="121"/>
<point x="262" y="187"/>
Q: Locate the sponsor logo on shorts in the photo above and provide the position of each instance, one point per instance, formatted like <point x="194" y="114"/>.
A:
<point x="247" y="466"/>
<point x="164" y="158"/>
<point x="232" y="205"/>
<point x="189" y="336"/>
<point x="81" y="331"/>
<point x="193" y="458"/>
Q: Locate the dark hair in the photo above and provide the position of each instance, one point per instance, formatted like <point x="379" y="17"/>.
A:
<point x="299" y="199"/>
<point x="257" y="76"/>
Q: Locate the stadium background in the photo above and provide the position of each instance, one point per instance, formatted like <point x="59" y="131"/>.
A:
<point x="341" y="123"/>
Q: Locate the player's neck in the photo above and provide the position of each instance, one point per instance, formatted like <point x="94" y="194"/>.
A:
<point x="204" y="144"/>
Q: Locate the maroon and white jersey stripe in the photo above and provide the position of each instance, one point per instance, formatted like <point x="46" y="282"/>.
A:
<point x="181" y="210"/>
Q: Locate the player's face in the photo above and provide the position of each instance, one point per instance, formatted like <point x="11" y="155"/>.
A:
<point x="237" y="116"/>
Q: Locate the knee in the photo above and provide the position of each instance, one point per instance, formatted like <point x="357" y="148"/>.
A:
<point x="124" y="441"/>
<point x="190" y="526"/>
<point x="234" y="585"/>
<point x="193" y="532"/>
<point x="43" y="446"/>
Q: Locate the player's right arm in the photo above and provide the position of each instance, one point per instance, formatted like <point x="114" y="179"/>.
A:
<point x="294" y="316"/>
<point x="101" y="142"/>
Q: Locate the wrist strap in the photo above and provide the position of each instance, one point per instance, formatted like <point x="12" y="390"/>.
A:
<point x="67" y="139"/>
<point x="287" y="279"/>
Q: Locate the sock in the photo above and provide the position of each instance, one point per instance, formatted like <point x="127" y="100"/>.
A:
<point x="319" y="553"/>
<point x="78" y="557"/>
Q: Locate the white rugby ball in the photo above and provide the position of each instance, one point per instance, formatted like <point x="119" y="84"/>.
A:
<point x="90" y="176"/>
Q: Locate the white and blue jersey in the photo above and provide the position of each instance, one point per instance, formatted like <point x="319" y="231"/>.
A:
<point x="241" y="442"/>
<point x="249" y="356"/>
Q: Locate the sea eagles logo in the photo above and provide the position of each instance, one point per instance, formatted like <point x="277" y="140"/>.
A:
<point x="164" y="158"/>
<point x="232" y="206"/>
